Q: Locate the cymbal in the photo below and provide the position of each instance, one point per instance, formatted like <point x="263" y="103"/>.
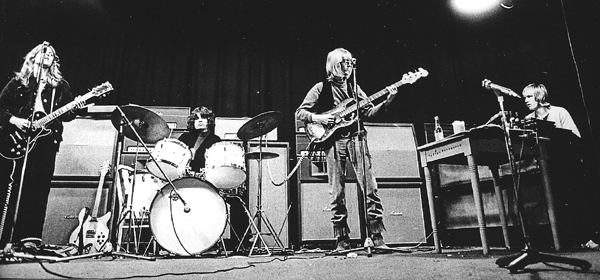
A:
<point x="260" y="125"/>
<point x="265" y="155"/>
<point x="150" y="126"/>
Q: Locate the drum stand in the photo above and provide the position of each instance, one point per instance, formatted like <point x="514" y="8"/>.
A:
<point x="260" y="216"/>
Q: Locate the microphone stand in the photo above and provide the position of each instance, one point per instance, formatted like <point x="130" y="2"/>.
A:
<point x="27" y="149"/>
<point x="529" y="255"/>
<point x="361" y="173"/>
<point x="365" y="230"/>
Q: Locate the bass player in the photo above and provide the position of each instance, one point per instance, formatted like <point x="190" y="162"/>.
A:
<point x="343" y="144"/>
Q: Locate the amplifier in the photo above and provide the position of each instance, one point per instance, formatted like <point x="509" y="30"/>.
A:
<point x="300" y="127"/>
<point x="227" y="128"/>
<point x="176" y="117"/>
<point x="131" y="146"/>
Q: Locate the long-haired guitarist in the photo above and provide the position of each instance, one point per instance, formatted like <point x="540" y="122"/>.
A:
<point x="36" y="90"/>
<point x="338" y="137"/>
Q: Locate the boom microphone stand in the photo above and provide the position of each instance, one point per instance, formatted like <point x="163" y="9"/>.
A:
<point x="529" y="256"/>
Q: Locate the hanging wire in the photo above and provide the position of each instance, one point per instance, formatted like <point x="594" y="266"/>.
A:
<point x="309" y="148"/>
<point x="578" y="76"/>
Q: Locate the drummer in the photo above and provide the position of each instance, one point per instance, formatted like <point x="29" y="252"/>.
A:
<point x="200" y="136"/>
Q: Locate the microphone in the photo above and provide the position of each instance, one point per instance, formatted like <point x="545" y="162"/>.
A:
<point x="489" y="85"/>
<point x="45" y="46"/>
<point x="354" y="61"/>
<point x="186" y="209"/>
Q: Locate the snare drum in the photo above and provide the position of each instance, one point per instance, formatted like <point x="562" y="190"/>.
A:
<point x="172" y="156"/>
<point x="225" y="165"/>
<point x="186" y="232"/>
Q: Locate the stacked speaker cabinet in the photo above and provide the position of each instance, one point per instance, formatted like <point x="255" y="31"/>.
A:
<point x="395" y="162"/>
<point x="88" y="143"/>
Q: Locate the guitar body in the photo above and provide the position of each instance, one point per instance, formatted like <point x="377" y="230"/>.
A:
<point x="95" y="231"/>
<point x="13" y="142"/>
<point x="318" y="132"/>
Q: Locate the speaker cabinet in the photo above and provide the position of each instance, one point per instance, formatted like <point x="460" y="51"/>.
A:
<point x="402" y="205"/>
<point x="87" y="144"/>
<point x="393" y="148"/>
<point x="227" y="128"/>
<point x="403" y="213"/>
<point x="130" y="146"/>
<point x="66" y="200"/>
<point x="315" y="212"/>
<point x="274" y="199"/>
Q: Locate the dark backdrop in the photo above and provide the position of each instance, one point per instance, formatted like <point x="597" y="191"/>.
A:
<point x="242" y="58"/>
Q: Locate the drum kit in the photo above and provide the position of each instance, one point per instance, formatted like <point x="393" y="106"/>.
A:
<point x="187" y="214"/>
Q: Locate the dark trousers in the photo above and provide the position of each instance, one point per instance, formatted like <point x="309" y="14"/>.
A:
<point x="33" y="198"/>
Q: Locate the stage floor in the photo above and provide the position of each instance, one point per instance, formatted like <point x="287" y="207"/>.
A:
<point x="419" y="263"/>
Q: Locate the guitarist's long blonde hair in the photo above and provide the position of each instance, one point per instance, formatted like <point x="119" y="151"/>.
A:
<point x="333" y="68"/>
<point x="30" y="63"/>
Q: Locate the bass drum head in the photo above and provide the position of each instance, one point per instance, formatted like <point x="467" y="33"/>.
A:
<point x="193" y="232"/>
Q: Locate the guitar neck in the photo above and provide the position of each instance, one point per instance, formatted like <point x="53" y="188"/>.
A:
<point x="52" y="116"/>
<point x="98" y="196"/>
<point x="362" y="103"/>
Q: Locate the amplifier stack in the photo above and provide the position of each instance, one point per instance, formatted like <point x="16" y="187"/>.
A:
<point x="395" y="162"/>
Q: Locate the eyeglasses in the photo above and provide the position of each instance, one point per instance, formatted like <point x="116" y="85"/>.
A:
<point x="348" y="62"/>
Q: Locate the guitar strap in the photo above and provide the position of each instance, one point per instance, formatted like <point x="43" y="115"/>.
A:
<point x="80" y="234"/>
<point x="52" y="103"/>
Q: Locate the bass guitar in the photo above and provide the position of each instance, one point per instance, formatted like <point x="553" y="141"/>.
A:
<point x="14" y="143"/>
<point x="345" y="112"/>
<point x="94" y="229"/>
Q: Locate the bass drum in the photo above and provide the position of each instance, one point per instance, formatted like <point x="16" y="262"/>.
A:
<point x="190" y="232"/>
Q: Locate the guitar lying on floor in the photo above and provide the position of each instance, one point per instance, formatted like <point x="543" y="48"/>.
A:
<point x="94" y="229"/>
<point x="344" y="113"/>
<point x="13" y="142"/>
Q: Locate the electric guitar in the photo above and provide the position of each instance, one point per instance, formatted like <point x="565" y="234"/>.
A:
<point x="94" y="229"/>
<point x="345" y="112"/>
<point x="14" y="142"/>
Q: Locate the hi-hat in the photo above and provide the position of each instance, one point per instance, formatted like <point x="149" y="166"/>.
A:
<point x="265" y="155"/>
<point x="259" y="125"/>
<point x="150" y="126"/>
